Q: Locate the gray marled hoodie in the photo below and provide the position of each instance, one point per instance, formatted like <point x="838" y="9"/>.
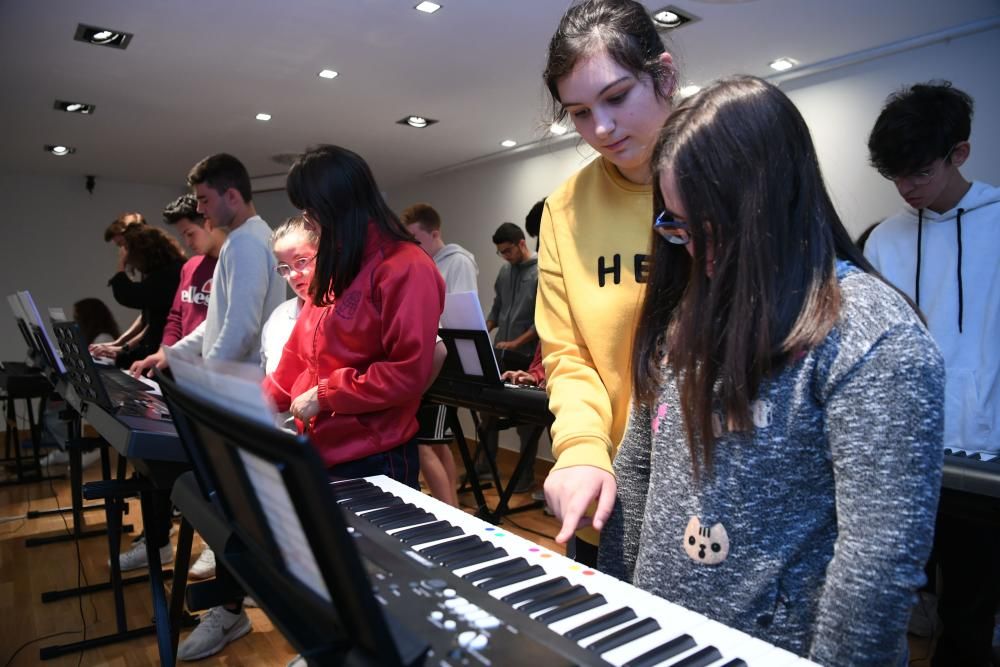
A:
<point x="819" y="521"/>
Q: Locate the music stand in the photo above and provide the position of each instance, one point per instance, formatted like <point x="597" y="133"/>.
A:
<point x="312" y="583"/>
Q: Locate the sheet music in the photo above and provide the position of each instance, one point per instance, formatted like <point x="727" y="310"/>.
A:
<point x="229" y="385"/>
<point x="35" y="318"/>
<point x="284" y="522"/>
<point x="462" y="311"/>
<point x="15" y="307"/>
<point x="57" y="315"/>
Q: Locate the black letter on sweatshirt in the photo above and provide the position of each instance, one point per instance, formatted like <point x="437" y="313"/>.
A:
<point x="615" y="270"/>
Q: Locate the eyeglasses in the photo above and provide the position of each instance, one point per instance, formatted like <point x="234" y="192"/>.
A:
<point x="673" y="231"/>
<point x="922" y="177"/>
<point x="299" y="265"/>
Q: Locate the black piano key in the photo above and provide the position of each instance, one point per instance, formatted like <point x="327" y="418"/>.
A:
<point x="553" y="599"/>
<point x="523" y="574"/>
<point x="377" y="503"/>
<point x="629" y="633"/>
<point x="736" y="663"/>
<point x="354" y="492"/>
<point x="601" y="623"/>
<point x="449" y="547"/>
<point x="389" y="511"/>
<point x="497" y="570"/>
<point x="975" y="456"/>
<point x="705" y="656"/>
<point x="473" y="557"/>
<point x="353" y="502"/>
<point x="572" y="608"/>
<point x="655" y="656"/>
<point x="350" y="485"/>
<point x="408" y="518"/>
<point x="437" y="530"/>
<point x="532" y="592"/>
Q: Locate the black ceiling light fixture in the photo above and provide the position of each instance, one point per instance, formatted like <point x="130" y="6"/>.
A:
<point x="671" y="18"/>
<point x="98" y="36"/>
<point x="74" y="107"/>
<point x="419" y="122"/>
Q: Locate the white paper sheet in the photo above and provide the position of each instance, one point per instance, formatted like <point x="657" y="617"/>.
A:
<point x="462" y="311"/>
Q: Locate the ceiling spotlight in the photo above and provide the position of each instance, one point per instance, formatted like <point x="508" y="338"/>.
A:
<point x="418" y="122"/>
<point x="102" y="36"/>
<point x="508" y="143"/>
<point x="428" y="7"/>
<point x="328" y="74"/>
<point x="557" y="129"/>
<point x="688" y="91"/>
<point x="783" y="64"/>
<point x="59" y="149"/>
<point x="669" y="18"/>
<point x="263" y="116"/>
<point x="74" y="107"/>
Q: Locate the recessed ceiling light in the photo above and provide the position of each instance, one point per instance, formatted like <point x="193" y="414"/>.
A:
<point x="90" y="34"/>
<point x="74" y="107"/>
<point x="428" y="7"/>
<point x="418" y="122"/>
<point x="59" y="149"/>
<point x="783" y="64"/>
<point x="669" y="18"/>
<point x="688" y="91"/>
<point x="263" y="116"/>
<point x="508" y="143"/>
<point x="328" y="74"/>
<point x="557" y="129"/>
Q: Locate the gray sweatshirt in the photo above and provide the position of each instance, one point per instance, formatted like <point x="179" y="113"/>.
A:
<point x="458" y="268"/>
<point x="514" y="302"/>
<point x="811" y="531"/>
<point x="245" y="289"/>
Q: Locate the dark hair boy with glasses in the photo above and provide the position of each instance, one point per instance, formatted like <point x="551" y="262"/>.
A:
<point x="942" y="249"/>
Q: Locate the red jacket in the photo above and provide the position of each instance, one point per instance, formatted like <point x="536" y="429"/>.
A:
<point x="370" y="353"/>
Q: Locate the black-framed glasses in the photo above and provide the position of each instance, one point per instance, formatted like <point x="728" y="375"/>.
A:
<point x="672" y="230"/>
<point x="924" y="176"/>
<point x="299" y="265"/>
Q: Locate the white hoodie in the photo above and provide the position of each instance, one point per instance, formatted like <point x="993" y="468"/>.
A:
<point x="959" y="293"/>
<point x="458" y="268"/>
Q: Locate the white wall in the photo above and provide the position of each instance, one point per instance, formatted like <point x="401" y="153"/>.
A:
<point x="52" y="242"/>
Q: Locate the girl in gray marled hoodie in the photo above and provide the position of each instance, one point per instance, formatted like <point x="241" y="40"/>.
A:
<point x="781" y="467"/>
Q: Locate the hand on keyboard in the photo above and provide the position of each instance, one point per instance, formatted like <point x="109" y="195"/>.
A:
<point x="569" y="492"/>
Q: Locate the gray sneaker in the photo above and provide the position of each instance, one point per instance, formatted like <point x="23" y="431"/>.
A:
<point x="216" y="629"/>
<point x="135" y="558"/>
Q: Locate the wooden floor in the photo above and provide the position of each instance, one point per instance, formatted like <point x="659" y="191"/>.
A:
<point x="27" y="624"/>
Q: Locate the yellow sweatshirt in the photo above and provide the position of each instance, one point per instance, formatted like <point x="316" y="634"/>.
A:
<point x="592" y="265"/>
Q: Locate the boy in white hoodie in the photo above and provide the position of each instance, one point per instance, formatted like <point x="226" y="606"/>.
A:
<point x="943" y="251"/>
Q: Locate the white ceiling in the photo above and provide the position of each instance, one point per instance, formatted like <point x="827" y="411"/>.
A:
<point x="197" y="72"/>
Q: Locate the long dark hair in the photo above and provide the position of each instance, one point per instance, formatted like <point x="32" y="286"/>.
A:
<point x="623" y="28"/>
<point x="741" y="159"/>
<point x="150" y="249"/>
<point x="335" y="187"/>
<point x="95" y="318"/>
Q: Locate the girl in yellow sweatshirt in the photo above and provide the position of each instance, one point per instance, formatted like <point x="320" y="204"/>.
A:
<point x="610" y="73"/>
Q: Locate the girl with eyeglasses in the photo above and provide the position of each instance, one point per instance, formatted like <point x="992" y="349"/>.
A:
<point x="781" y="468"/>
<point x="610" y="75"/>
<point x="361" y="353"/>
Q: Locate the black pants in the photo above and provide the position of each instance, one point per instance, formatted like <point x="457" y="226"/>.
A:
<point x="967" y="550"/>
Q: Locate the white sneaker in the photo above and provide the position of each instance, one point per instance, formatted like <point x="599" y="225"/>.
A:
<point x="135" y="558"/>
<point x="217" y="627"/>
<point x="53" y="458"/>
<point x="204" y="567"/>
<point x="88" y="459"/>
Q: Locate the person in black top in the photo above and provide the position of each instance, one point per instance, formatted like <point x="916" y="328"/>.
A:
<point x="156" y="258"/>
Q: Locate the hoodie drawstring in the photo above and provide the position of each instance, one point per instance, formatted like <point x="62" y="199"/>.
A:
<point x="920" y="239"/>
<point x="958" y="235"/>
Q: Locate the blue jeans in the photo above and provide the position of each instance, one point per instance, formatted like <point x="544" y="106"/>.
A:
<point x="401" y="463"/>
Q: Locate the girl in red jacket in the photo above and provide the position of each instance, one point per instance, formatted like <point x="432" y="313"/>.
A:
<point x="361" y="354"/>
